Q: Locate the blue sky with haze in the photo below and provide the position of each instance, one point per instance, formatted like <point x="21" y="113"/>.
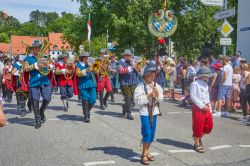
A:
<point x="22" y="8"/>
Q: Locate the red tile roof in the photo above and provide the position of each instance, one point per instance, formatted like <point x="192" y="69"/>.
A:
<point x="5" y="48"/>
<point x="19" y="43"/>
<point x="57" y="42"/>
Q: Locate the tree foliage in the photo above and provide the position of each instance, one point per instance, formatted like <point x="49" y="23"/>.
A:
<point x="126" y="21"/>
<point x="127" y="24"/>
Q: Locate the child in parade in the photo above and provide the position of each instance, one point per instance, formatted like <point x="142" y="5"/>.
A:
<point x="201" y="108"/>
<point x="144" y="93"/>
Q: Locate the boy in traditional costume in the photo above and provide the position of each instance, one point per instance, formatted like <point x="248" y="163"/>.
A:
<point x="144" y="94"/>
<point x="201" y="108"/>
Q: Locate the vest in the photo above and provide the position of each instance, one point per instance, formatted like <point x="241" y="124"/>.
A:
<point x="36" y="79"/>
<point x="62" y="80"/>
<point x="88" y="81"/>
<point x="128" y="78"/>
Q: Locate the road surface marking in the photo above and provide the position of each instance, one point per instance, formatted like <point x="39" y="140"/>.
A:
<point x="219" y="147"/>
<point x="173" y="112"/>
<point x="99" y="163"/>
<point x="138" y="157"/>
<point x="244" y="146"/>
<point x="182" y="151"/>
<point x="54" y="119"/>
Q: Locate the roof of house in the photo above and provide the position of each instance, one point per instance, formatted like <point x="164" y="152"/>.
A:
<point x="57" y="42"/>
<point x="19" y="43"/>
<point x="5" y="47"/>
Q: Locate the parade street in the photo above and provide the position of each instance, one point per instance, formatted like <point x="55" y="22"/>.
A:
<point x="109" y="139"/>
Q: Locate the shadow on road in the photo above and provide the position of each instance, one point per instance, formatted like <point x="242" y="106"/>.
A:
<point x="70" y="117"/>
<point x="124" y="153"/>
<point x="177" y="144"/>
<point x="56" y="108"/>
<point x="120" y="104"/>
<point x="108" y="113"/>
<point x="11" y="111"/>
<point x="23" y="121"/>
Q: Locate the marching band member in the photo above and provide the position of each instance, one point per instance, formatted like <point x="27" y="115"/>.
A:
<point x="128" y="82"/>
<point x="21" y="95"/>
<point x="7" y="80"/>
<point x="86" y="85"/>
<point x="65" y="80"/>
<point x="39" y="84"/>
<point x="104" y="82"/>
<point x="114" y="74"/>
<point x="144" y="93"/>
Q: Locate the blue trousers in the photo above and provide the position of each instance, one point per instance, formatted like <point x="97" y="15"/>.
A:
<point x="88" y="94"/>
<point x="66" y="92"/>
<point x="148" y="131"/>
<point x="42" y="90"/>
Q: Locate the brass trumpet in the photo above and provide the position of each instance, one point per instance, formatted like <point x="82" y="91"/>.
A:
<point x="95" y="67"/>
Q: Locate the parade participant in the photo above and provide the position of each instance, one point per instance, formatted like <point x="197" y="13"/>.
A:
<point x="127" y="81"/>
<point x="39" y="82"/>
<point x="21" y="95"/>
<point x="65" y="70"/>
<point x="104" y="82"/>
<point x="201" y="108"/>
<point x="86" y="85"/>
<point x="7" y="80"/>
<point x="161" y="77"/>
<point x="144" y="93"/>
<point x="113" y="76"/>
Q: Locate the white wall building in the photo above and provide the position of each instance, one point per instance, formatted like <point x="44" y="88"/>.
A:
<point x="243" y="30"/>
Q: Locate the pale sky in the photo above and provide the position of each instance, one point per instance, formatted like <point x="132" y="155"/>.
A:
<point x="21" y="9"/>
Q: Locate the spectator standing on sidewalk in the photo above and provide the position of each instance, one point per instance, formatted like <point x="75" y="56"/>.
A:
<point x="244" y="90"/>
<point x="226" y="88"/>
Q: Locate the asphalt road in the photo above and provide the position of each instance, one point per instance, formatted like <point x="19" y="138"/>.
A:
<point x="64" y="140"/>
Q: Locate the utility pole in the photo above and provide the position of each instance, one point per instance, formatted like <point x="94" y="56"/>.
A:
<point x="224" y="48"/>
<point x="169" y="47"/>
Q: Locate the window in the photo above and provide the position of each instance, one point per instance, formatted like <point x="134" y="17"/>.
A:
<point x="67" y="48"/>
<point x="62" y="47"/>
<point x="53" y="53"/>
<point x="58" y="53"/>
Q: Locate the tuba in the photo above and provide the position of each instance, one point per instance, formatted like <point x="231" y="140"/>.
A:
<point x="41" y="60"/>
<point x="96" y="67"/>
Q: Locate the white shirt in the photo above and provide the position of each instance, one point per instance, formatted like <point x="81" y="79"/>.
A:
<point x="229" y="71"/>
<point x="199" y="93"/>
<point x="1" y="67"/>
<point x="142" y="100"/>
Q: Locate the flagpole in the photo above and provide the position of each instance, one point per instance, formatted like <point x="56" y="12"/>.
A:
<point x="89" y="33"/>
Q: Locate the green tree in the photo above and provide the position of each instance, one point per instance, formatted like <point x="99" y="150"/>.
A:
<point x="4" y="38"/>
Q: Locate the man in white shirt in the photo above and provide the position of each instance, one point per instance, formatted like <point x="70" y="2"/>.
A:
<point x="227" y="82"/>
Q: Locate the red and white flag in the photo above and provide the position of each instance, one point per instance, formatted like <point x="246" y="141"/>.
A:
<point x="89" y="28"/>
